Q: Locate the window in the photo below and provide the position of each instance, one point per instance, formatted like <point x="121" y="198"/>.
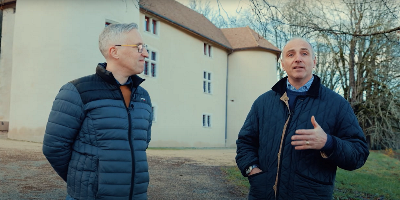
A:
<point x="151" y="64"/>
<point x="147" y="23"/>
<point x="154" y="27"/>
<point x="206" y="120"/>
<point x="151" y="25"/>
<point x="207" y="50"/>
<point x="146" y="68"/>
<point x="154" y="110"/>
<point x="153" y="70"/>
<point x="207" y="82"/>
<point x="109" y="22"/>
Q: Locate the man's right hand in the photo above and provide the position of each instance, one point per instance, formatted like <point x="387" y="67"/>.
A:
<point x="255" y="171"/>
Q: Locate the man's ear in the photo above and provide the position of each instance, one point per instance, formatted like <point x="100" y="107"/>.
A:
<point x="113" y="52"/>
<point x="282" y="66"/>
<point x="315" y="62"/>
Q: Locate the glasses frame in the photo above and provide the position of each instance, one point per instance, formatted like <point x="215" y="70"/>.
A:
<point x="140" y="50"/>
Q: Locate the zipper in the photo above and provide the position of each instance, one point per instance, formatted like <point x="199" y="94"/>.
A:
<point x="285" y="99"/>
<point x="132" y="155"/>
<point x="130" y="140"/>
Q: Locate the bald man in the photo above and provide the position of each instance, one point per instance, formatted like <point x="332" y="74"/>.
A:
<point x="297" y="134"/>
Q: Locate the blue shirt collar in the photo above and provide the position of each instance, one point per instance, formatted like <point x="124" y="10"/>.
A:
<point x="303" y="88"/>
<point x="129" y="81"/>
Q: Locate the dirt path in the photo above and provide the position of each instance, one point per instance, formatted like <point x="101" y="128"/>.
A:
<point x="174" y="174"/>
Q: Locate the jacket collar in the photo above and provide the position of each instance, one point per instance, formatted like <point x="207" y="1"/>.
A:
<point x="109" y="77"/>
<point x="281" y="85"/>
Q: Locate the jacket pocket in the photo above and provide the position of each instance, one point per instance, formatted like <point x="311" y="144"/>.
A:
<point x="83" y="176"/>
<point x="258" y="186"/>
<point x="310" y="188"/>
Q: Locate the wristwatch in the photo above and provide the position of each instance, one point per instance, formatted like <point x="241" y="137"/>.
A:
<point x="248" y="170"/>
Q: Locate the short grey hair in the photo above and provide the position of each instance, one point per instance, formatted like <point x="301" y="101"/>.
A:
<point x="113" y="34"/>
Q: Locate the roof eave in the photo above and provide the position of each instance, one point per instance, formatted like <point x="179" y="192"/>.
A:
<point x="184" y="27"/>
<point x="7" y="4"/>
<point x="274" y="51"/>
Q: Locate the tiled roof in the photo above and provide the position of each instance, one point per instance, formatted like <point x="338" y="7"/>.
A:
<point x="246" y="38"/>
<point x="175" y="13"/>
<point x="232" y="39"/>
<point x="4" y="4"/>
<point x="7" y="1"/>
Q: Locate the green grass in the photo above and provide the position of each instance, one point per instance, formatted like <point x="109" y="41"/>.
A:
<point x="378" y="178"/>
<point x="234" y="177"/>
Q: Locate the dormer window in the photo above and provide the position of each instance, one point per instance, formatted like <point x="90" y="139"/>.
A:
<point x="207" y="50"/>
<point x="151" y="25"/>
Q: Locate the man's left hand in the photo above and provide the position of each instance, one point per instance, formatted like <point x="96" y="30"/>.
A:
<point x="309" y="138"/>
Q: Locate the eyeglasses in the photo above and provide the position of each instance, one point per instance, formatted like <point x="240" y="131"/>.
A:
<point x="140" y="47"/>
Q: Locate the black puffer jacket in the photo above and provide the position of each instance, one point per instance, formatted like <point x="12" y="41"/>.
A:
<point x="302" y="174"/>
<point x="97" y="144"/>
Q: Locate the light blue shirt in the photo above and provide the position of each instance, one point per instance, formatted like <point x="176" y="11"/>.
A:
<point x="303" y="88"/>
<point x="126" y="83"/>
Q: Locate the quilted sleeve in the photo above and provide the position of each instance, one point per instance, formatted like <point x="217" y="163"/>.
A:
<point x="63" y="125"/>
<point x="247" y="143"/>
<point x="350" y="149"/>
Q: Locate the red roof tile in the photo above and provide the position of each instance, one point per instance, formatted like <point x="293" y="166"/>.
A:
<point x="181" y="16"/>
<point x="178" y="14"/>
<point x="247" y="38"/>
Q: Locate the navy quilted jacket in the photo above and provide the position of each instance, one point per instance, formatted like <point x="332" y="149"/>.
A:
<point x="265" y="139"/>
<point x="97" y="144"/>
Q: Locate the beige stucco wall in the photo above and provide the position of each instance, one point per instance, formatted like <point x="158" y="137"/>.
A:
<point x="6" y="62"/>
<point x="251" y="73"/>
<point x="55" y="42"/>
<point x="178" y="94"/>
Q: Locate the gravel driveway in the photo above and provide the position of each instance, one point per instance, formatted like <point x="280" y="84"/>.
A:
<point x="174" y="174"/>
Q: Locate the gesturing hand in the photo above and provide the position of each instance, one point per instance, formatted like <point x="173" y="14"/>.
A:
<point x="309" y="138"/>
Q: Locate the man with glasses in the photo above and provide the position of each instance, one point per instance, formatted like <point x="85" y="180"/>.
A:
<point x="100" y="125"/>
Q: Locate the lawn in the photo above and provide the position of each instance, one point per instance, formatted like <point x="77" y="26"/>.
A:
<point x="379" y="178"/>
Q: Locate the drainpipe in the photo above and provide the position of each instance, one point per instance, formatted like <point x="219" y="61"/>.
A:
<point x="226" y="98"/>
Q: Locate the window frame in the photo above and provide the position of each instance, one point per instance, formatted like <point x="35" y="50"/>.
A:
<point x="154" y="108"/>
<point x="207" y="120"/>
<point x="151" y="72"/>
<point x="146" y="23"/>
<point x="151" y="25"/>
<point x="207" y="82"/>
<point x="208" y="50"/>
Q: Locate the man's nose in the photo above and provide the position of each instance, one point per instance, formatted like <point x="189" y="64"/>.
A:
<point x="298" y="59"/>
<point x="145" y="53"/>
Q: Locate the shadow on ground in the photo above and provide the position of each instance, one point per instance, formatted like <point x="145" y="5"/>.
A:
<point x="26" y="174"/>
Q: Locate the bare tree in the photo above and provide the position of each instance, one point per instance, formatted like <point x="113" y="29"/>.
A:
<point x="357" y="47"/>
<point x="219" y="16"/>
<point x="358" y="52"/>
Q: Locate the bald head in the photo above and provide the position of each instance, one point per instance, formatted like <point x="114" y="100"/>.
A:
<point x="308" y="47"/>
<point x="298" y="61"/>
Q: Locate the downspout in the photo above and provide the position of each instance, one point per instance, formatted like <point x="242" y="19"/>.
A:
<point x="226" y="97"/>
